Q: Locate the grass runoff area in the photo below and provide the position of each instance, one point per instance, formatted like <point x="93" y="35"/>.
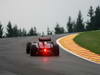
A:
<point x="89" y="40"/>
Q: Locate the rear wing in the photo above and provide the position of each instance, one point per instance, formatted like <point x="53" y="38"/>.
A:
<point x="45" y="39"/>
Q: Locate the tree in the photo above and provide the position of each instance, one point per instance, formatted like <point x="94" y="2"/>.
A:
<point x="24" y="33"/>
<point x="9" y="30"/>
<point x="35" y="31"/>
<point x="15" y="31"/>
<point x="43" y="34"/>
<point x="1" y="31"/>
<point x="62" y="30"/>
<point x="31" y="32"/>
<point x="20" y="32"/>
<point x="90" y="23"/>
<point x="79" y="23"/>
<point x="97" y="18"/>
<point x="59" y="30"/>
<point x="91" y="12"/>
<point x="49" y="32"/>
<point x="69" y="25"/>
<point x="74" y="26"/>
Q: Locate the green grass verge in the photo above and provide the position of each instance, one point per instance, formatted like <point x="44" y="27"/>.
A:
<point x="89" y="40"/>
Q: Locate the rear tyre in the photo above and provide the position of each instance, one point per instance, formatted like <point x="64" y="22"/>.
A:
<point x="56" y="50"/>
<point x="28" y="47"/>
<point x="33" y="50"/>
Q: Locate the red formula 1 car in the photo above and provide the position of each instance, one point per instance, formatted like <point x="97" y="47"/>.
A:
<point x="44" y="46"/>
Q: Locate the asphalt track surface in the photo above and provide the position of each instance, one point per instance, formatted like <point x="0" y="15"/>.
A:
<point x="15" y="61"/>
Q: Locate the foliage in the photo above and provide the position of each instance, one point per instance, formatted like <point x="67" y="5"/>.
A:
<point x="90" y="23"/>
<point x="79" y="23"/>
<point x="24" y="33"/>
<point x="31" y="32"/>
<point x="59" y="30"/>
<point x="1" y="31"/>
<point x="97" y="18"/>
<point x="70" y="25"/>
<point x="15" y="31"/>
<point x="94" y="23"/>
<point x="9" y="30"/>
<point x="49" y="32"/>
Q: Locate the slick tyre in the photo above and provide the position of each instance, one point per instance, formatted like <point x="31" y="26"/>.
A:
<point x="28" y="47"/>
<point x="33" y="50"/>
<point x="56" y="50"/>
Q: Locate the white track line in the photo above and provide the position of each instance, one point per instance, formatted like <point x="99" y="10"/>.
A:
<point x="73" y="52"/>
